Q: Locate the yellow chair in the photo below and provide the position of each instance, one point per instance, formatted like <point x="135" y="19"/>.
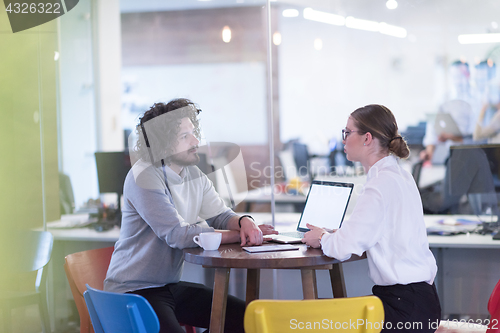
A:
<point x="356" y="314"/>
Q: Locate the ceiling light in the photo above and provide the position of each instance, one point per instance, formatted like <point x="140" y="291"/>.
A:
<point x="277" y="38"/>
<point x="323" y="17"/>
<point x="391" y="4"/>
<point x="355" y="23"/>
<point x="479" y="38"/>
<point x="290" y="13"/>
<point x="318" y="44"/>
<point x="226" y="34"/>
<point x="392" y="30"/>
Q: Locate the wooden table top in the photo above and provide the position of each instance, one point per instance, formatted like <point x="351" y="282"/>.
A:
<point x="233" y="256"/>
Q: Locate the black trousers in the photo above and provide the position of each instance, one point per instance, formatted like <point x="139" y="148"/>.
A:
<point x="190" y="303"/>
<point x="409" y="308"/>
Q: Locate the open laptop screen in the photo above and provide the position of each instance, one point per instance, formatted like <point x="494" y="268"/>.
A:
<point x="326" y="205"/>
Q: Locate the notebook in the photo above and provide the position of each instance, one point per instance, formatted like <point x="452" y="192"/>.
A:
<point x="325" y="207"/>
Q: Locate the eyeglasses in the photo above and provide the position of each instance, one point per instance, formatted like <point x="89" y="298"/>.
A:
<point x="345" y="133"/>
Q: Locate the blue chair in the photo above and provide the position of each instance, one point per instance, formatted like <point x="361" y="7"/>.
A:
<point x="123" y="313"/>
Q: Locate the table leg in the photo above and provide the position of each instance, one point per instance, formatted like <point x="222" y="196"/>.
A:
<point x="309" y="288"/>
<point x="219" y="300"/>
<point x="440" y="277"/>
<point x="253" y="284"/>
<point x="337" y="279"/>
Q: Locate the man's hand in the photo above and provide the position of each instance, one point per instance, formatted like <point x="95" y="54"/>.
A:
<point x="250" y="234"/>
<point x="448" y="136"/>
<point x="313" y="237"/>
<point x="424" y="155"/>
<point x="267" y="230"/>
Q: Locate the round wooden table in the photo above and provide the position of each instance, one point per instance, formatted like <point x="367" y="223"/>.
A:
<point x="233" y="256"/>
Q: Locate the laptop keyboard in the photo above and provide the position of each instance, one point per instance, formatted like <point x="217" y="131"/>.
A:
<point x="294" y="234"/>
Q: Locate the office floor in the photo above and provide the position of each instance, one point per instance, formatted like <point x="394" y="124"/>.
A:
<point x="27" y="320"/>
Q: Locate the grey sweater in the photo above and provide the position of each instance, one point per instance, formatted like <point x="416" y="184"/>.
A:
<point x="158" y="224"/>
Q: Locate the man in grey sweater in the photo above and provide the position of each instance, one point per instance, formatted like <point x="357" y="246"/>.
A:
<point x="167" y="201"/>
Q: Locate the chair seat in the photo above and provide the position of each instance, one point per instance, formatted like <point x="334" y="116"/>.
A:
<point x="279" y="316"/>
<point x="12" y="299"/>
<point x="89" y="267"/>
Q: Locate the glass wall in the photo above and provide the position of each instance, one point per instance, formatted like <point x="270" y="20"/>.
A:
<point x="421" y="59"/>
<point x="336" y="56"/>
<point x="78" y="84"/>
<point x="213" y="53"/>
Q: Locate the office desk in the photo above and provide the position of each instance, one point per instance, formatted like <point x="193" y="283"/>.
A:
<point x="85" y="235"/>
<point x="468" y="266"/>
<point x="233" y="256"/>
<point x="263" y="194"/>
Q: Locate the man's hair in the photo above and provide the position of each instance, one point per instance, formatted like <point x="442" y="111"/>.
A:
<point x="166" y="130"/>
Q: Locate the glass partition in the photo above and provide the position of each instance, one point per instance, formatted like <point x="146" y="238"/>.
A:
<point x="336" y="56"/>
<point x="78" y="84"/>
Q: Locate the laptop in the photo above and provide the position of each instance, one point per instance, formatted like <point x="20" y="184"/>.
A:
<point x="444" y="123"/>
<point x="325" y="207"/>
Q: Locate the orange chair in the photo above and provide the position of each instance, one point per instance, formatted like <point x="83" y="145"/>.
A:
<point x="90" y="267"/>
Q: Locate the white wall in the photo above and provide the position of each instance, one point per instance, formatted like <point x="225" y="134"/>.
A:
<point x="232" y="97"/>
<point x="319" y="89"/>
<point x="90" y="91"/>
<point x="107" y="75"/>
<point x="77" y="104"/>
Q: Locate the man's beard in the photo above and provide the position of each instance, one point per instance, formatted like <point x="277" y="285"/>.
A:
<point x="185" y="158"/>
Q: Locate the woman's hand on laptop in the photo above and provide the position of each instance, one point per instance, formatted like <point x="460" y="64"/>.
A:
<point x="313" y="237"/>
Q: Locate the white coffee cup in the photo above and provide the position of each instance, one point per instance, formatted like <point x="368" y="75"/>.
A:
<point x="209" y="241"/>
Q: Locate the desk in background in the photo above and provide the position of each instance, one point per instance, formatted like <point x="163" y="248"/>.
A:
<point x="262" y="195"/>
<point x="468" y="269"/>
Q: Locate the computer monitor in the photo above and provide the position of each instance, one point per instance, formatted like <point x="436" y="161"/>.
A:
<point x="474" y="170"/>
<point x="478" y="164"/>
<point x="112" y="168"/>
<point x="301" y="158"/>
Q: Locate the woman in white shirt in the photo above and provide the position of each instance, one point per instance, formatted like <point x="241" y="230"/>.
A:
<point x="387" y="223"/>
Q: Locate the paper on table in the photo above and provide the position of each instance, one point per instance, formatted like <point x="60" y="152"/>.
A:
<point x="270" y="248"/>
<point x="72" y="221"/>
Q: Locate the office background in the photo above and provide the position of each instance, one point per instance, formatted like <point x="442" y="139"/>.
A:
<point x="72" y="86"/>
<point x="117" y="58"/>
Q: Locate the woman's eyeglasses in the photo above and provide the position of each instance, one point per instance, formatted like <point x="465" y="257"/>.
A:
<point x="345" y="133"/>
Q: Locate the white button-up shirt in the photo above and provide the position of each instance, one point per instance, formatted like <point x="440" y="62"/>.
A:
<point x="388" y="224"/>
